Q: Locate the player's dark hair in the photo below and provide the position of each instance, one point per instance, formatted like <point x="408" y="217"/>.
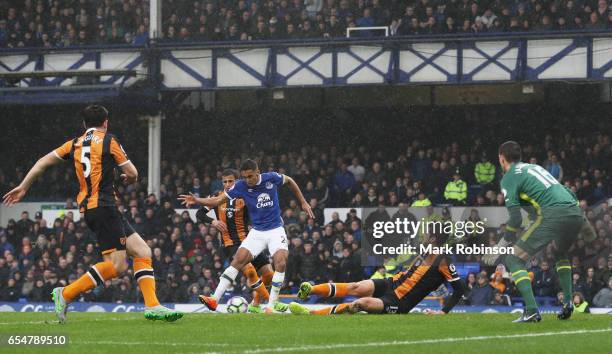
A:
<point x="249" y="164"/>
<point x="94" y="115"/>
<point x="511" y="151"/>
<point x="230" y="172"/>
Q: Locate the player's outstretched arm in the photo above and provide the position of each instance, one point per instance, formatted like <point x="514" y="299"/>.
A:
<point x="15" y="195"/>
<point x="189" y="199"/>
<point x="207" y="220"/>
<point x="298" y="193"/>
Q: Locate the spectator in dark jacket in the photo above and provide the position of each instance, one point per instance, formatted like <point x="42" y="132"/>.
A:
<point x="307" y="264"/>
<point x="420" y="166"/>
<point x="344" y="181"/>
<point x="591" y="284"/>
<point x="482" y="293"/>
<point x="349" y="270"/>
<point x="544" y="281"/>
<point x="24" y="225"/>
<point x="10" y="292"/>
<point x="39" y="293"/>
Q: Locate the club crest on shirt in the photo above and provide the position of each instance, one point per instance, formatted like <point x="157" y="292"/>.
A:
<point x="269" y="185"/>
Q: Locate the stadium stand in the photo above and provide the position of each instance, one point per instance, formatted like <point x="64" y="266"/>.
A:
<point x="35" y="256"/>
<point x="349" y="173"/>
<point x="32" y="23"/>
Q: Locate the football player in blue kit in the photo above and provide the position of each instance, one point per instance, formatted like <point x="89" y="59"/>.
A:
<point x="260" y="193"/>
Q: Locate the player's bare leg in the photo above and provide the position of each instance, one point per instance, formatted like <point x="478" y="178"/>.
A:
<point x="241" y="259"/>
<point x="138" y="249"/>
<point x="365" y="304"/>
<point x="280" y="264"/>
<point x="113" y="265"/>
<point x="360" y="289"/>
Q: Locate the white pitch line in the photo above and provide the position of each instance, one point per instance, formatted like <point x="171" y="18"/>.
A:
<point x="232" y="347"/>
<point x="423" y="341"/>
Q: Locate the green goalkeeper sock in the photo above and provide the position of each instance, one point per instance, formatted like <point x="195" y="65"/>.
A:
<point x="564" y="270"/>
<point x="522" y="281"/>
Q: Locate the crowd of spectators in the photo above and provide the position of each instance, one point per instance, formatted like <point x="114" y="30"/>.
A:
<point x="63" y="23"/>
<point x="188" y="258"/>
<point x="68" y="23"/>
<point x="333" y="170"/>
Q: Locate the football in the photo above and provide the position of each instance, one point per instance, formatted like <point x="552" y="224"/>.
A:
<point x="237" y="304"/>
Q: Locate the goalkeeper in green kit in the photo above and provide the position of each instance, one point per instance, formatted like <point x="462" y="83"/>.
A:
<point x="558" y="219"/>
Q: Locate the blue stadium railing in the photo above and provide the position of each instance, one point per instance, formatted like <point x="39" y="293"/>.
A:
<point x="399" y="60"/>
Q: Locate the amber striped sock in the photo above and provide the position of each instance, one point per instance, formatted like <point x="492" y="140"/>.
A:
<point x="266" y="278"/>
<point x="261" y="293"/>
<point x="95" y="276"/>
<point x="330" y="290"/>
<point x="333" y="310"/>
<point x="143" y="273"/>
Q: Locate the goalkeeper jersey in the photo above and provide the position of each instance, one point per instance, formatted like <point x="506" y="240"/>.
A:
<point x="531" y="185"/>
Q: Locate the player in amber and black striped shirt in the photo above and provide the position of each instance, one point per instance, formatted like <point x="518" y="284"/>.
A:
<point x="95" y="155"/>
<point x="232" y="221"/>
<point x="399" y="294"/>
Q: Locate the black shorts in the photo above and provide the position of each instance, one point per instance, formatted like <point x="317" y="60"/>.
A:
<point x="261" y="260"/>
<point x="383" y="289"/>
<point x="110" y="228"/>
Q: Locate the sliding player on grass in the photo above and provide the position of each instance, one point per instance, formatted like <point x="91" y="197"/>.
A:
<point x="558" y="219"/>
<point x="260" y="192"/>
<point x="95" y="155"/>
<point x="232" y="222"/>
<point x="399" y="294"/>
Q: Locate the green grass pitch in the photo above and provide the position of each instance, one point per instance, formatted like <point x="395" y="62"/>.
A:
<point x="221" y="333"/>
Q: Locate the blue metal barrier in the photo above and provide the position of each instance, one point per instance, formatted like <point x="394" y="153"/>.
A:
<point x="410" y="60"/>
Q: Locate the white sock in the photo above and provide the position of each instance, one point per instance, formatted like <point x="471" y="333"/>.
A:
<point x="226" y="279"/>
<point x="277" y="283"/>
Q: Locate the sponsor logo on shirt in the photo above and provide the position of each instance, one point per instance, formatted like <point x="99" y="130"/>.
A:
<point x="264" y="201"/>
